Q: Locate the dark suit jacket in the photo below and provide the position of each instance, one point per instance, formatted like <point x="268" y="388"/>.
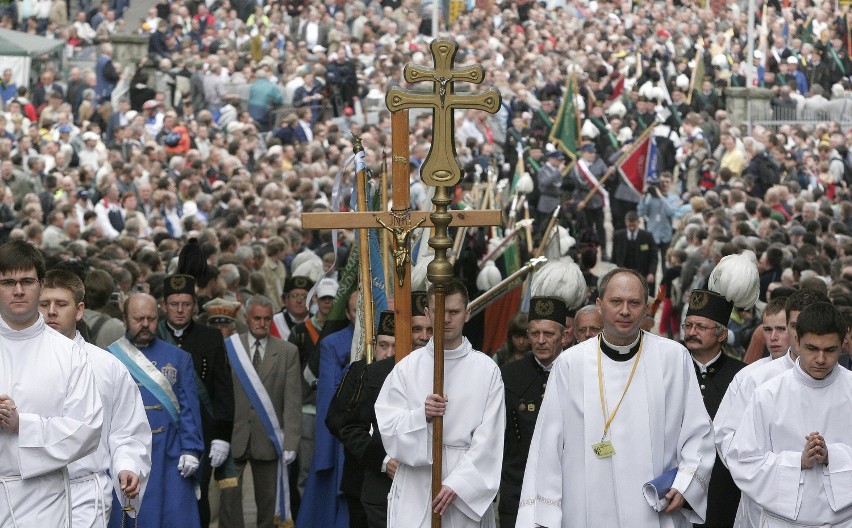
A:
<point x="281" y="377"/>
<point x="640" y="254"/>
<point x="723" y="494"/>
<point x="350" y="418"/>
<point x="207" y="348"/>
<point x="524" y="381"/>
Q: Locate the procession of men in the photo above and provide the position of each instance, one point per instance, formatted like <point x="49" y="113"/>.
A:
<point x="355" y="386"/>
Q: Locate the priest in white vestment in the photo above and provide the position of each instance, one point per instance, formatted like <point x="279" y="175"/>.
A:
<point x="50" y="410"/>
<point x="581" y="473"/>
<point x="124" y="451"/>
<point x="742" y="388"/>
<point x="792" y="451"/>
<point x="474" y="422"/>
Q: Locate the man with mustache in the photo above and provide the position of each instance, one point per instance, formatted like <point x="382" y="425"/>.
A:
<point x="705" y="335"/>
<point x="165" y="377"/>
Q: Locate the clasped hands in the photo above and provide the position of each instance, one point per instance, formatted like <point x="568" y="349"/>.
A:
<point x="9" y="419"/>
<point x="815" y="452"/>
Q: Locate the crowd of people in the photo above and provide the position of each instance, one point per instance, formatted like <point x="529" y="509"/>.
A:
<point x="239" y="120"/>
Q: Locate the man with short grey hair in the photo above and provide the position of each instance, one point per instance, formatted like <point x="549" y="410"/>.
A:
<point x="266" y="370"/>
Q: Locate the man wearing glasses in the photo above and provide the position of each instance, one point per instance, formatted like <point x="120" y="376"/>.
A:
<point x="212" y="372"/>
<point x="51" y="414"/>
<point x="588" y="323"/>
<point x="705" y="335"/>
<point x="295" y="297"/>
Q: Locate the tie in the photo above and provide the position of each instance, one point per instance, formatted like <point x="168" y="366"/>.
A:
<point x="255" y="358"/>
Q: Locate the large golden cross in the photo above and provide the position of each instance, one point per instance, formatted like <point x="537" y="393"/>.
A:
<point x="441" y="167"/>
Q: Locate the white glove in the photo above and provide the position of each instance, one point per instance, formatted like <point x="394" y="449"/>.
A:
<point x="187" y="465"/>
<point x="289" y="457"/>
<point x="219" y="450"/>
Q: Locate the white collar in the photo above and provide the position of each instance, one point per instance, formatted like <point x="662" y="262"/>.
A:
<point x="621" y="349"/>
<point x="703" y="366"/>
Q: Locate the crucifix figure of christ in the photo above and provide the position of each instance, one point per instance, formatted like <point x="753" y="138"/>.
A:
<point x="441" y="170"/>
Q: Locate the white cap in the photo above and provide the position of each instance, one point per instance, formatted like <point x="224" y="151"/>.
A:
<point x="327" y="287"/>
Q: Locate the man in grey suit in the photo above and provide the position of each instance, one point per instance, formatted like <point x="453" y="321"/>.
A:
<point x="277" y="366"/>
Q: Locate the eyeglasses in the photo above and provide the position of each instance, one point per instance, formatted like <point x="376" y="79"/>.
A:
<point x="26" y="282"/>
<point x="589" y="330"/>
<point x="175" y="304"/>
<point x="700" y="327"/>
<point x="297" y="296"/>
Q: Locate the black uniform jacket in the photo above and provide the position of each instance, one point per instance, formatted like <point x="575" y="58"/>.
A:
<point x="524" y="381"/>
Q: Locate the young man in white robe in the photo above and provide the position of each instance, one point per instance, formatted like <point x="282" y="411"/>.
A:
<point x="473" y="423"/>
<point x="744" y="384"/>
<point x="50" y="410"/>
<point x="792" y="451"/>
<point x="619" y="410"/>
<point x="125" y="447"/>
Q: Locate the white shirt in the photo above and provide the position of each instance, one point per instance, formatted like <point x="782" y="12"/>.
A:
<point x="61" y="415"/>
<point x="766" y="451"/>
<point x="661" y="424"/>
<point x="252" y="343"/>
<point x="125" y="442"/>
<point x="474" y="425"/>
<point x="702" y="367"/>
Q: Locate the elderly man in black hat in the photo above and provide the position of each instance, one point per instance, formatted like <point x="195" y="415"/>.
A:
<point x="705" y="333"/>
<point x="296" y="306"/>
<point x="212" y="375"/>
<point x="524" y="381"/>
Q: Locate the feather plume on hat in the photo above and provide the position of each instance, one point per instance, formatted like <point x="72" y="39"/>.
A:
<point x="737" y="279"/>
<point x="488" y="277"/>
<point x="560" y="278"/>
<point x="191" y="260"/>
<point x="525" y="184"/>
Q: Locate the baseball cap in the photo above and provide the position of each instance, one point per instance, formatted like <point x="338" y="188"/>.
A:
<point x="327" y="288"/>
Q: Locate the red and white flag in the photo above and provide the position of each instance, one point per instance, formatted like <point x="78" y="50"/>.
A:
<point x="635" y="166"/>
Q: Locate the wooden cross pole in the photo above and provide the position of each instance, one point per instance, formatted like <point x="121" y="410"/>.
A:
<point x="442" y="171"/>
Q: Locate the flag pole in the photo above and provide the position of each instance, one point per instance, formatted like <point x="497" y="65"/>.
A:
<point x="364" y="257"/>
<point x="612" y="170"/>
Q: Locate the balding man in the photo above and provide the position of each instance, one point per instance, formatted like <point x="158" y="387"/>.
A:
<point x="165" y="377"/>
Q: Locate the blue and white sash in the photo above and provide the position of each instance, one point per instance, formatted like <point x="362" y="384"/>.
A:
<point x="147" y="374"/>
<point x="262" y="404"/>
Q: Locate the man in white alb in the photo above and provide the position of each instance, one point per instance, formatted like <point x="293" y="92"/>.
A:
<point x="792" y="451"/>
<point x="742" y="388"/>
<point x="125" y="448"/>
<point x="50" y="410"/>
<point x="619" y="410"/>
<point x="474" y="422"/>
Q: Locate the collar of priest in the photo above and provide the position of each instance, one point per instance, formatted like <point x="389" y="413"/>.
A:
<point x="620" y="353"/>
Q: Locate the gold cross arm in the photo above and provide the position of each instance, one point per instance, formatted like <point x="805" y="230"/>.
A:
<point x="370" y="219"/>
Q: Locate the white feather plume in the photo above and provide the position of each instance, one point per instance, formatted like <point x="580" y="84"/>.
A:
<point x="303" y="257"/>
<point x="737" y="279"/>
<point x="419" y="282"/>
<point x="560" y="278"/>
<point x="488" y="277"/>
<point x="311" y="269"/>
<point x="525" y="184"/>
